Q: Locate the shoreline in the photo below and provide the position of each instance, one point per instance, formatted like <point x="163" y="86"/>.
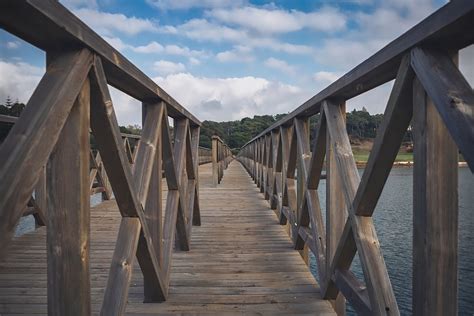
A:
<point x="405" y="164"/>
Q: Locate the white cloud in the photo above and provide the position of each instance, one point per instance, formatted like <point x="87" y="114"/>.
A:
<point x="189" y="4"/>
<point x="280" y="65"/>
<point x="18" y="80"/>
<point x="326" y="77"/>
<point x="204" y="31"/>
<point x="152" y="47"/>
<point x="194" y="61"/>
<point x="238" y="54"/>
<point x="183" y="51"/>
<point x="107" y="23"/>
<point x="13" y="44"/>
<point x="165" y="67"/>
<point x="466" y="63"/>
<point x="76" y="4"/>
<point x="270" y="21"/>
<point x="373" y="31"/>
<point x="127" y="109"/>
<point x="231" y="98"/>
<point x="116" y="43"/>
<point x="375" y="100"/>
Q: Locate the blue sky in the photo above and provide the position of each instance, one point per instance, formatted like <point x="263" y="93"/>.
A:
<point x="229" y="59"/>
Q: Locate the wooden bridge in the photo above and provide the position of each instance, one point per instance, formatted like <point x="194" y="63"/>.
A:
<point x="183" y="229"/>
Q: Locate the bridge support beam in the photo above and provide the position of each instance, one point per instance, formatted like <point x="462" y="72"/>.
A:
<point x="435" y="211"/>
<point x="336" y="213"/>
<point x="68" y="219"/>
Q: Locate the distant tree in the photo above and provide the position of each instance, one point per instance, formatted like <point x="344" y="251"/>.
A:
<point x="16" y="109"/>
<point x="131" y="129"/>
<point x="8" y="102"/>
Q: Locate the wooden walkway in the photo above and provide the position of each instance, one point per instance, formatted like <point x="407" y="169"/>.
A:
<point x="241" y="261"/>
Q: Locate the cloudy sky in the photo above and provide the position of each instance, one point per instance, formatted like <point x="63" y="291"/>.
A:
<point x="227" y="59"/>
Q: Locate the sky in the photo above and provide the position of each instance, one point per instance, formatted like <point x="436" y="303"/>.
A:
<point x="228" y="59"/>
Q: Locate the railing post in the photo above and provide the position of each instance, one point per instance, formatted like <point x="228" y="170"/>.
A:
<point x="336" y="213"/>
<point x="301" y="186"/>
<point x="215" y="162"/>
<point x="435" y="211"/>
<point x="68" y="220"/>
<point x="153" y="207"/>
<point x="41" y="194"/>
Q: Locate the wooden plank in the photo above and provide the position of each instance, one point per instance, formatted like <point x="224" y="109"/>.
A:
<point x="106" y="131"/>
<point x="181" y="128"/>
<point x="49" y="25"/>
<point x="381" y="294"/>
<point x="445" y="27"/>
<point x="336" y="210"/>
<point x="353" y="291"/>
<point x="435" y="211"/>
<point x="41" y="197"/>
<point x="153" y="205"/>
<point x="28" y="145"/>
<point x="389" y="137"/>
<point x="8" y="119"/>
<point x="397" y="117"/>
<point x="194" y="208"/>
<point x="122" y="263"/>
<point x="68" y="218"/>
<point x="451" y="94"/>
<point x="146" y="152"/>
<point x="215" y="162"/>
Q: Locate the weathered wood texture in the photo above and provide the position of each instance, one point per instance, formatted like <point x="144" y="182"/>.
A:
<point x="446" y="27"/>
<point x="435" y="211"/>
<point x="68" y="224"/>
<point x="440" y="126"/>
<point x="50" y="26"/>
<point x="241" y="261"/>
<point x="221" y="157"/>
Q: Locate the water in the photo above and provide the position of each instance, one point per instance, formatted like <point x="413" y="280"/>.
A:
<point x="27" y="223"/>
<point x="393" y="223"/>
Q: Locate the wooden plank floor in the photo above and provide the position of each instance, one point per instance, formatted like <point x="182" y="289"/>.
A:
<point x="241" y="261"/>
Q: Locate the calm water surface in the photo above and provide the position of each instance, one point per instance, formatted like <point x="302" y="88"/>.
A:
<point x="393" y="223"/>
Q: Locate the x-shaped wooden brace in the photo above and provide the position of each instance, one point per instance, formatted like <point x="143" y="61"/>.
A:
<point x="131" y="189"/>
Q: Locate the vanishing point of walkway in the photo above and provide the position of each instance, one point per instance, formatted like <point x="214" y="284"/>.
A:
<point x="241" y="261"/>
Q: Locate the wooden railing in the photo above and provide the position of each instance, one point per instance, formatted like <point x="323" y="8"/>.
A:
<point x="430" y="92"/>
<point x="221" y="157"/>
<point x="71" y="99"/>
<point x="99" y="182"/>
<point x="205" y="155"/>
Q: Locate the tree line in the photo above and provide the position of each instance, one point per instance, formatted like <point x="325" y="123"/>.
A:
<point x="360" y="124"/>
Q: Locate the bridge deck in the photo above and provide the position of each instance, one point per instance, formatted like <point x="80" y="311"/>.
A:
<point x="241" y="260"/>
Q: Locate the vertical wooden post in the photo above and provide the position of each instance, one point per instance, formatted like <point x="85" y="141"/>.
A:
<point x="41" y="194"/>
<point x="435" y="211"/>
<point x="301" y="188"/>
<point x="336" y="213"/>
<point x="215" y="162"/>
<point x="195" y="131"/>
<point x="153" y="208"/>
<point x="68" y="214"/>
<point x="264" y="187"/>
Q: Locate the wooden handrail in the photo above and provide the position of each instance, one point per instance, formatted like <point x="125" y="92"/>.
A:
<point x="71" y="100"/>
<point x="447" y="27"/>
<point x="430" y="92"/>
<point x="221" y="157"/>
<point x="61" y="28"/>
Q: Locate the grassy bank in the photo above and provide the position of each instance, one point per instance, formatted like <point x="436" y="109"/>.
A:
<point x="361" y="156"/>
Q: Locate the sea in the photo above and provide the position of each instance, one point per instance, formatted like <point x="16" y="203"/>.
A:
<point x="393" y="220"/>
